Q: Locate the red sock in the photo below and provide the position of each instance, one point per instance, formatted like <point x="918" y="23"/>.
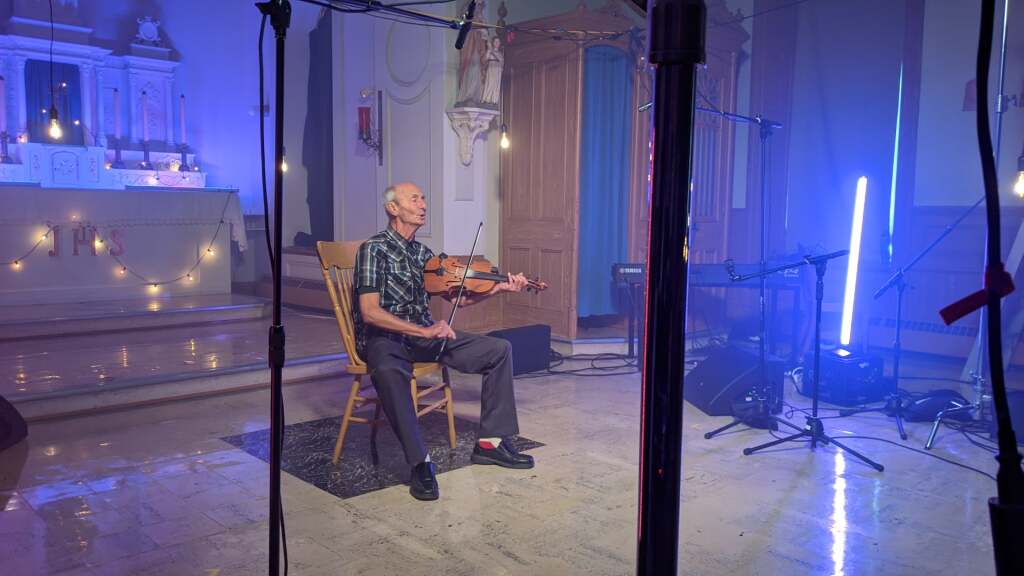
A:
<point x="489" y="443"/>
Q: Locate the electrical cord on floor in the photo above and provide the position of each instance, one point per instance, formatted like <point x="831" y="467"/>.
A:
<point x="925" y="452"/>
<point x="626" y="365"/>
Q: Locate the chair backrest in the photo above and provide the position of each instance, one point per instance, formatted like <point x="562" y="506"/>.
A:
<point x="337" y="262"/>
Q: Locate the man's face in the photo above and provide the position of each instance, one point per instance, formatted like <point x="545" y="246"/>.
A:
<point x="409" y="206"/>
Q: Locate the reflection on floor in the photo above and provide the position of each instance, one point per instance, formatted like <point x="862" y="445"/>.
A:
<point x="81" y="362"/>
<point x="156" y="491"/>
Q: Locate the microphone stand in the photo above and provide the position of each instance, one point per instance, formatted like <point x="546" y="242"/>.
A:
<point x="761" y="415"/>
<point x="894" y="403"/>
<point x="815" y="429"/>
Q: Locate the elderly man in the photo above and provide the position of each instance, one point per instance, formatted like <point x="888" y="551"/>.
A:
<point x="394" y="329"/>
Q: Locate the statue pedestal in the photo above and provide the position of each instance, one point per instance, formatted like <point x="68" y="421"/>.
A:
<point x="469" y="123"/>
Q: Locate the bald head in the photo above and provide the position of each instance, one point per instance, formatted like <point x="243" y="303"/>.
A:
<point x="406" y="205"/>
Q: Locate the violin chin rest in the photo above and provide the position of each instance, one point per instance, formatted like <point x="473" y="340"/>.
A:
<point x="442" y="255"/>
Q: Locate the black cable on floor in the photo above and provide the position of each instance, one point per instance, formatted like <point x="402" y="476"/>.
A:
<point x="926" y="453"/>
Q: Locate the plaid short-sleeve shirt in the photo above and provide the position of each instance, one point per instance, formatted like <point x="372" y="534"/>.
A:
<point x="392" y="266"/>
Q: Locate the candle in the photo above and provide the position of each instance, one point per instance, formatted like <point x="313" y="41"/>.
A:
<point x="117" y="114"/>
<point x="145" y="123"/>
<point x="364" y="122"/>
<point x="181" y="118"/>
<point x="3" y="104"/>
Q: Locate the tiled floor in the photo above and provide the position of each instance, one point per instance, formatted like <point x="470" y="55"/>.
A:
<point x="155" y="491"/>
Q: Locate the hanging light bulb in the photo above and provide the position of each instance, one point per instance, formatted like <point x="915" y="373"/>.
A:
<point x="504" y="137"/>
<point x="55" y="130"/>
<point x="1018" y="184"/>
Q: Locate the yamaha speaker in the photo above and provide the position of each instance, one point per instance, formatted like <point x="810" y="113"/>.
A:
<point x="731" y="373"/>
<point x="531" y="347"/>
<point x="12" y="426"/>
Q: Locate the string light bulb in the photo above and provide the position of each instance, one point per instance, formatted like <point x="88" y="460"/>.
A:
<point x="1018" y="186"/>
<point x="284" y="159"/>
<point x="504" y="137"/>
<point x="55" y="130"/>
<point x="188" y="277"/>
<point x="209" y="252"/>
<point x="16" y="264"/>
<point x="123" y="270"/>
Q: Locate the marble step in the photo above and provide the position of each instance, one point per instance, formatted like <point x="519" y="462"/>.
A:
<point x="50" y="320"/>
<point x="143" y="391"/>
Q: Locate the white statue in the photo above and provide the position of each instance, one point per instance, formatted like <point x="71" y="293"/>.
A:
<point x="494" y="60"/>
<point x="471" y="74"/>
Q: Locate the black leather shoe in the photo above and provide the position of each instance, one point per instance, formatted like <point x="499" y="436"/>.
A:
<point x="504" y="455"/>
<point x="423" y="483"/>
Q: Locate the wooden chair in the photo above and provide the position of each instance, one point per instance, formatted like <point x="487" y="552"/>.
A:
<point x="337" y="262"/>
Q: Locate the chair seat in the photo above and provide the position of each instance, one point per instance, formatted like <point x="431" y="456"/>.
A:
<point x="419" y="369"/>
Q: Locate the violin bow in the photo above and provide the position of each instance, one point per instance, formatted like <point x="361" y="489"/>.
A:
<point x="462" y="286"/>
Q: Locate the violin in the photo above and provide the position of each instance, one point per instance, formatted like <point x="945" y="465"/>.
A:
<point x="442" y="275"/>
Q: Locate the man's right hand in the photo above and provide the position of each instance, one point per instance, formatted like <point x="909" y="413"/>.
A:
<point x="439" y="329"/>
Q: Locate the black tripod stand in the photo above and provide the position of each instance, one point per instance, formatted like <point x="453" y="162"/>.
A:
<point x="758" y="412"/>
<point x="894" y="401"/>
<point x="815" y="430"/>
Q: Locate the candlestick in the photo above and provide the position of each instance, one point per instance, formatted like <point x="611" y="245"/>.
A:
<point x="145" y="122"/>
<point x="181" y="119"/>
<point x="3" y="104"/>
<point x="117" y="114"/>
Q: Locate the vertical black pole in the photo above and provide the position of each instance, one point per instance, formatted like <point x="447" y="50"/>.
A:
<point x="280" y="12"/>
<point x="676" y="46"/>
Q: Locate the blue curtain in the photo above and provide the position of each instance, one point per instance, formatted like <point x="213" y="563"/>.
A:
<point x="604" y="175"/>
<point x="67" y="96"/>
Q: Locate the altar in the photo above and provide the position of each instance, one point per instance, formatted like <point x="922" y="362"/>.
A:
<point x="77" y="245"/>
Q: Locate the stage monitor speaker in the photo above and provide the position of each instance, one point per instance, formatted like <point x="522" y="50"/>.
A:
<point x="531" y="347"/>
<point x="727" y="374"/>
<point x="12" y="426"/>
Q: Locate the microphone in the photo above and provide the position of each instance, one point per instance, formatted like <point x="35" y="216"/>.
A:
<point x="465" y="25"/>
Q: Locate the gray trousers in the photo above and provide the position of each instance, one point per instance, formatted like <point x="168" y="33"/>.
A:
<point x="390" y="357"/>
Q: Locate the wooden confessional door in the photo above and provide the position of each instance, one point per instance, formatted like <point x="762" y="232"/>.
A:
<point x="540" y="180"/>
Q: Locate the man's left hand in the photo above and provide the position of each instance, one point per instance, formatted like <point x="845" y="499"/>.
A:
<point x="515" y="283"/>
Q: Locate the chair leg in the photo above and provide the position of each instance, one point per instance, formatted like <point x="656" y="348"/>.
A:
<point x="450" y="406"/>
<point x="353" y="392"/>
<point x="374" y="457"/>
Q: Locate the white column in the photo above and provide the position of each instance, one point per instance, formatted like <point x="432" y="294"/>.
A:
<point x="87" y="78"/>
<point x="169" y="110"/>
<point x="18" y="89"/>
<point x="101" y="117"/>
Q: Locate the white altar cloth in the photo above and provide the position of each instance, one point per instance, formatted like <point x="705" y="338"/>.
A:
<point x="150" y="235"/>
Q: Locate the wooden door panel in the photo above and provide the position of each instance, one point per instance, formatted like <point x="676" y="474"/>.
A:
<point x="540" y="182"/>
